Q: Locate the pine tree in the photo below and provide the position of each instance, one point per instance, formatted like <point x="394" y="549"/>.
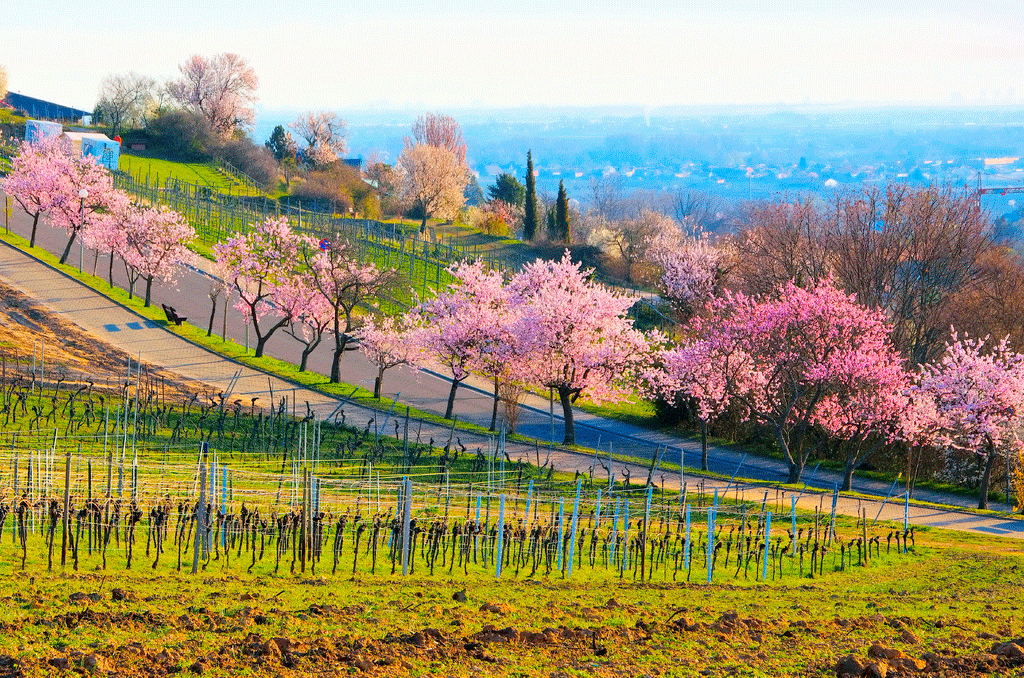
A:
<point x="562" y="214"/>
<point x="530" y="217"/>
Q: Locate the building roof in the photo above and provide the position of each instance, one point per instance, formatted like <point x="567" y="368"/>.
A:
<point x="43" y="110"/>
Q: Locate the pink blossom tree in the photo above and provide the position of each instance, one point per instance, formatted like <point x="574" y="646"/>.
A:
<point x="154" y="245"/>
<point x="474" y="326"/>
<point x="867" y="406"/>
<point x="82" y="195"/>
<point x="108" y="232"/>
<point x="687" y="372"/>
<point x="975" y="394"/>
<point x="220" y="88"/>
<point x="788" y="361"/>
<point x="579" y="337"/>
<point x="311" y="313"/>
<point x="692" y="266"/>
<point x="34" y="179"/>
<point x="257" y="264"/>
<point x="389" y="342"/>
<point x="347" y="285"/>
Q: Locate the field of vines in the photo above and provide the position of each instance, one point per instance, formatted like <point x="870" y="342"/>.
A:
<point x="129" y="477"/>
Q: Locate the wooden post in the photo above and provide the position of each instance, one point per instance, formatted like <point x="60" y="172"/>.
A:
<point x="67" y="498"/>
<point x="406" y="518"/>
<point x="200" y="514"/>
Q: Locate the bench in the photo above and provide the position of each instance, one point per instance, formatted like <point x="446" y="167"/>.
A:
<point x="172" y="315"/>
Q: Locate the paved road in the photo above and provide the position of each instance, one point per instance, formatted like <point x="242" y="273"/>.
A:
<point x="424" y="390"/>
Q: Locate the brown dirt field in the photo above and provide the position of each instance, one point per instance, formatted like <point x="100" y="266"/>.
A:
<point x="71" y="354"/>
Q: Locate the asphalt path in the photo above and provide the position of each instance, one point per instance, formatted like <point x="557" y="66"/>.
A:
<point x="427" y="390"/>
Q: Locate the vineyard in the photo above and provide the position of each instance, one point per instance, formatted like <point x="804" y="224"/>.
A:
<point x="163" y="531"/>
<point x="115" y="477"/>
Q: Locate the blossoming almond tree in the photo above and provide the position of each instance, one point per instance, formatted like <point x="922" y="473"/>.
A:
<point x="578" y="335"/>
<point x="474" y="326"/>
<point x="34" y="179"/>
<point x="975" y="393"/>
<point x="784" y="358"/>
<point x="311" y="313"/>
<point x="257" y="264"/>
<point x="82" y="194"/>
<point x="153" y="245"/>
<point x="389" y="342"/>
<point x="346" y="284"/>
<point x="687" y="371"/>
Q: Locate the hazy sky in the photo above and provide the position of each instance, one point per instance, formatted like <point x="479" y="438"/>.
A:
<point x="455" y="54"/>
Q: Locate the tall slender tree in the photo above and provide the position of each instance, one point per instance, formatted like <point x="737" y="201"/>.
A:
<point x="562" y="214"/>
<point x="530" y="217"/>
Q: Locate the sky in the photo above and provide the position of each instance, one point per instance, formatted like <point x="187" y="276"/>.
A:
<point x="445" y="56"/>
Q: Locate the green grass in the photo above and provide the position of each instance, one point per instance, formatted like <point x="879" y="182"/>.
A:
<point x="955" y="596"/>
<point x="157" y="169"/>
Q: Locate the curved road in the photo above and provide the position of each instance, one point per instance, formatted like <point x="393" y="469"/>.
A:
<point x="424" y="390"/>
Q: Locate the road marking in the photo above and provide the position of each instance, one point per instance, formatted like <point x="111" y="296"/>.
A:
<point x="134" y="326"/>
<point x="112" y="328"/>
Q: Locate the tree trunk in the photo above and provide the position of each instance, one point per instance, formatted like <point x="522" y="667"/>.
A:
<point x="451" y="398"/>
<point x="213" y="314"/>
<point x="570" y="425"/>
<point x="378" y="383"/>
<point x="986" y="478"/>
<point x="67" y="248"/>
<point x="703" y="444"/>
<point x="110" y="270"/>
<point x="494" y="408"/>
<point x="35" y="223"/>
<point x="848" y="477"/>
<point x="339" y="350"/>
<point x="149" y="290"/>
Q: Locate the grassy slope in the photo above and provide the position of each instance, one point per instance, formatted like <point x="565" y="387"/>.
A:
<point x="951" y="600"/>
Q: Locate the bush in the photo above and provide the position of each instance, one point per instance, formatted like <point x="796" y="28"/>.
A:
<point x="338" y="185"/>
<point x="182" y="136"/>
<point x="257" y="162"/>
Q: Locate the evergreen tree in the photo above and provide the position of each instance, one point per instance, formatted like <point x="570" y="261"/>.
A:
<point x="507" y="189"/>
<point x="530" y="217"/>
<point x="281" y="144"/>
<point x="473" y="194"/>
<point x="562" y="214"/>
<point x="551" y="221"/>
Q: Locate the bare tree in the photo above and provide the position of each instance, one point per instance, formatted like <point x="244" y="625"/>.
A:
<point x="220" y="88"/>
<point x="910" y="251"/>
<point x="125" y="99"/>
<point x="3" y="81"/>
<point x="781" y="241"/>
<point x="442" y="131"/>
<point x="324" y="134"/>
<point x="629" y="239"/>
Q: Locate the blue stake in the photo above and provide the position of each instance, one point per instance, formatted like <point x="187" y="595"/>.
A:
<point x="529" y="498"/>
<point x="597" y="510"/>
<point x="575" y="518"/>
<point x="792" y="500"/>
<point x="767" y="544"/>
<point x="687" y="563"/>
<point x="625" y="535"/>
<point x="561" y="530"/>
<point x="615" y="532"/>
<point x="501" y="535"/>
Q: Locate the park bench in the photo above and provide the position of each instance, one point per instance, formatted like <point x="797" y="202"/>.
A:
<point x="172" y="315"/>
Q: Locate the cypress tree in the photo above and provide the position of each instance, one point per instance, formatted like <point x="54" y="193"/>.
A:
<point x="530" y="217"/>
<point x="562" y="214"/>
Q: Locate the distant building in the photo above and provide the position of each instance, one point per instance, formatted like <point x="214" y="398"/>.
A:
<point x="44" y="110"/>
